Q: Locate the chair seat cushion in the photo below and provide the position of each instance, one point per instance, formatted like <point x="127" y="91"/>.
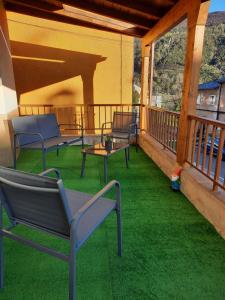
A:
<point x="53" y="142"/>
<point x="93" y="217"/>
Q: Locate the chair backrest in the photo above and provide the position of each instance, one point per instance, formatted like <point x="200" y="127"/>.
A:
<point x="26" y="124"/>
<point x="35" y="200"/>
<point x="46" y="125"/>
<point x="122" y="121"/>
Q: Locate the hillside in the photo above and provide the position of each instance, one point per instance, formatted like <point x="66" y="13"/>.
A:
<point x="169" y="59"/>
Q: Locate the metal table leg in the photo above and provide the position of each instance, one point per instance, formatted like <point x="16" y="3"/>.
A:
<point x="105" y="169"/>
<point x="83" y="165"/>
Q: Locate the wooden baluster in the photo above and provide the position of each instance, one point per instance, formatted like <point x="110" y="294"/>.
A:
<point x="211" y="151"/>
<point x="199" y="146"/>
<point x="219" y="160"/>
<point x="194" y="142"/>
<point x="205" y="147"/>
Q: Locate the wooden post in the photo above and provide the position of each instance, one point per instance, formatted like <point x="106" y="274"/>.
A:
<point x="196" y="18"/>
<point x="151" y="70"/>
<point x="144" y="85"/>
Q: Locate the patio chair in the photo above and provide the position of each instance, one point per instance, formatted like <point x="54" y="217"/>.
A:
<point x="42" y="132"/>
<point x="124" y="126"/>
<point x="43" y="203"/>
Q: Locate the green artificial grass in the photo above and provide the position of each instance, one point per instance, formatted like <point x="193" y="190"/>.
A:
<point x="169" y="250"/>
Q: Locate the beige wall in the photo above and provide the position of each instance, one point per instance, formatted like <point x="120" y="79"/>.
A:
<point x="204" y="95"/>
<point x="222" y="98"/>
<point x="61" y="64"/>
<point x="206" y="110"/>
<point x="8" y="100"/>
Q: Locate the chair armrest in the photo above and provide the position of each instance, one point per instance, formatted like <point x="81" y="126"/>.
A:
<point x="104" y="127"/>
<point x="76" y="126"/>
<point x="29" y="133"/>
<point x="103" y="124"/>
<point x="132" y="125"/>
<point x="94" y="199"/>
<point x="57" y="172"/>
<point x="68" y="124"/>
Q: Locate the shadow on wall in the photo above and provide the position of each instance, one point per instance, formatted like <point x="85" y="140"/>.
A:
<point x="38" y="66"/>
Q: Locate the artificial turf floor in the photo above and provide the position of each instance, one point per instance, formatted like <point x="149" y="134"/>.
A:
<point x="169" y="250"/>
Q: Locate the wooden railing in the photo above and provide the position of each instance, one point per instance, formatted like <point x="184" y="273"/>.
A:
<point x="91" y="116"/>
<point x="163" y="126"/>
<point x="206" y="149"/>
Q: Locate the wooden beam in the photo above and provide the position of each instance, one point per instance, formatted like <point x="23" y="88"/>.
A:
<point x="197" y="17"/>
<point x="151" y="70"/>
<point x="41" y="13"/>
<point x="144" y="7"/>
<point x="144" y="86"/>
<point x="171" y="19"/>
<point x="48" y="5"/>
<point x="111" y="12"/>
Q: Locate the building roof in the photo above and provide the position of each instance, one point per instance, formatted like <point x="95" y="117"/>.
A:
<point x="212" y="85"/>
<point x="221" y="80"/>
<point x="128" y="17"/>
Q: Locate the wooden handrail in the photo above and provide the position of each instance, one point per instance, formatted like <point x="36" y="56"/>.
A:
<point x="207" y="121"/>
<point x="79" y="105"/>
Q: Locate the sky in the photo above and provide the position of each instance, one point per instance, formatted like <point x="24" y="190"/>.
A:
<point x="217" y="5"/>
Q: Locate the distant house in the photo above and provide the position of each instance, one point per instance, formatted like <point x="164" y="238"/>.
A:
<point x="211" y="100"/>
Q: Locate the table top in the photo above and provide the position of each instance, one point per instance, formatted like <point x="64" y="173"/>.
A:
<point x="99" y="149"/>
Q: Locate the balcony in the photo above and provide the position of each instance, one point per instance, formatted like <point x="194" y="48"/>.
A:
<point x="170" y="250"/>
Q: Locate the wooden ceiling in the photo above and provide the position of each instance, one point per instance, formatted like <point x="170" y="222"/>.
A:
<point x="130" y="17"/>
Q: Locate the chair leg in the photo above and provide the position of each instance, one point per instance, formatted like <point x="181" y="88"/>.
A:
<point x="1" y="262"/>
<point x="44" y="159"/>
<point x="128" y="141"/>
<point x="57" y="150"/>
<point x="72" y="274"/>
<point x="136" y="143"/>
<point x="1" y="249"/>
<point x="119" y="232"/>
<point x="14" y="153"/>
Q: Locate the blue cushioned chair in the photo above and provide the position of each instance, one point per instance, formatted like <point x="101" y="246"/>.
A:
<point x="41" y="202"/>
<point x="42" y="132"/>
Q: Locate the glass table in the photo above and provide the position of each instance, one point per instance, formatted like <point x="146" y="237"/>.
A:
<point x="99" y="150"/>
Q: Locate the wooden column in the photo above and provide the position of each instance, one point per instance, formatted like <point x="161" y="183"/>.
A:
<point x="196" y="19"/>
<point x="8" y="98"/>
<point x="151" y="70"/>
<point x="144" y="85"/>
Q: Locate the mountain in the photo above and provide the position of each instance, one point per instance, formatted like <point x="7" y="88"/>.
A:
<point x="216" y="18"/>
<point x="169" y="59"/>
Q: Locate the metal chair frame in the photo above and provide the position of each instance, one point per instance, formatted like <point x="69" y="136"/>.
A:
<point x="73" y="222"/>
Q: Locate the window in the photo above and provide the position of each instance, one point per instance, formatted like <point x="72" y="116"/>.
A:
<point x="199" y="99"/>
<point x="212" y="99"/>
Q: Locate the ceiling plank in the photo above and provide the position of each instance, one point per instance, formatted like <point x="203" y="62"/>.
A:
<point x="111" y="12"/>
<point x="41" y="13"/>
<point x="144" y="7"/>
<point x="47" y="5"/>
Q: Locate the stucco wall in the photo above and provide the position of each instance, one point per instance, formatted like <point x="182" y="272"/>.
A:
<point x="61" y="64"/>
<point x="207" y="110"/>
<point x="222" y="98"/>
